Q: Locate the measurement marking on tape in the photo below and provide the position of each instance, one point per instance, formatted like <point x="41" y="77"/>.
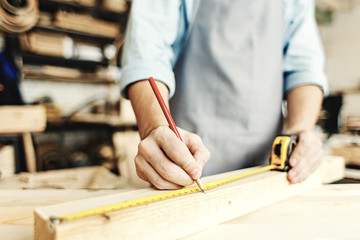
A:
<point x="153" y="198"/>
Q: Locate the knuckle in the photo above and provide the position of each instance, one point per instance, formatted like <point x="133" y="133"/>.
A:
<point x="165" y="172"/>
<point x="137" y="160"/>
<point x="207" y="156"/>
<point x="158" y="183"/>
<point x="188" y="165"/>
<point x="159" y="131"/>
<point x="197" y="138"/>
<point x="142" y="147"/>
<point x="306" y="142"/>
<point x="140" y="174"/>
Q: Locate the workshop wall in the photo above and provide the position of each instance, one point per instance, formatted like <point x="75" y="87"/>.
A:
<point x="341" y="40"/>
<point x="69" y="97"/>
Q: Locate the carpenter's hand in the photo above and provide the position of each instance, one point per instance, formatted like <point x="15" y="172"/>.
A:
<point x="306" y="157"/>
<point x="153" y="161"/>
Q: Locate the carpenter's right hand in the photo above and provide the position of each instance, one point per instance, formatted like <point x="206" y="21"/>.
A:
<point x="161" y="148"/>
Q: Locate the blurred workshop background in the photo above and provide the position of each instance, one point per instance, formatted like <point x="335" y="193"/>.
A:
<point x="59" y="87"/>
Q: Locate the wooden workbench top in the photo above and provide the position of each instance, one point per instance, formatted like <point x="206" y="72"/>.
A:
<point x="328" y="212"/>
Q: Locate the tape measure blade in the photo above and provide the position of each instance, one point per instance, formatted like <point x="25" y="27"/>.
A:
<point x="163" y="196"/>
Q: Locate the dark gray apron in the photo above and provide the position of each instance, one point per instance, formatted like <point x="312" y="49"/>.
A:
<point x="229" y="81"/>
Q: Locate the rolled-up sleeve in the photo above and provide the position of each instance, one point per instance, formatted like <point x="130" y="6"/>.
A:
<point x="152" y="29"/>
<point x="303" y="53"/>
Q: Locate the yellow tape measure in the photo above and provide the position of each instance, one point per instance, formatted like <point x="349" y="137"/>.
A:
<point x="287" y="143"/>
<point x="153" y="198"/>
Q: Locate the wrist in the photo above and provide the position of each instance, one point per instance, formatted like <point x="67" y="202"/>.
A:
<point x="145" y="132"/>
<point x="149" y="115"/>
<point x="296" y="130"/>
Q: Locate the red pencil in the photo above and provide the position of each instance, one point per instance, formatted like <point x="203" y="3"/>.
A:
<point x="169" y="119"/>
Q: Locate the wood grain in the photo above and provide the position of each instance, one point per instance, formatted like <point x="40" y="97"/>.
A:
<point x="93" y="177"/>
<point x="20" y="119"/>
<point x="17" y="206"/>
<point x="328" y="212"/>
<point x="181" y="216"/>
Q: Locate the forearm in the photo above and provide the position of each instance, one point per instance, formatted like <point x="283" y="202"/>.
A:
<point x="161" y="153"/>
<point x="303" y="107"/>
<point x="146" y="107"/>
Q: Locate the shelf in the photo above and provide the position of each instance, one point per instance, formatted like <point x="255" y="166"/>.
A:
<point x="75" y="34"/>
<point x="54" y="5"/>
<point x="96" y="11"/>
<point x="35" y="59"/>
<point x="56" y="73"/>
<point x="94" y="80"/>
<point x="111" y="120"/>
<point x="97" y="122"/>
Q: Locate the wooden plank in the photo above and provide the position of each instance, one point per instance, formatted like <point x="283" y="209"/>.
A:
<point x="17" y="232"/>
<point x="352" y="173"/>
<point x="119" y="6"/>
<point x="30" y="156"/>
<point x="350" y="152"/>
<point x="85" y="23"/>
<point x="87" y="3"/>
<point x="180" y="216"/>
<point x="20" y="119"/>
<point x="7" y="161"/>
<point x="328" y="212"/>
<point x="126" y="147"/>
<point x="94" y="177"/>
<point x="17" y="206"/>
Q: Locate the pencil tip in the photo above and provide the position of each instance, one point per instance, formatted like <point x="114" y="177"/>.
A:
<point x="200" y="185"/>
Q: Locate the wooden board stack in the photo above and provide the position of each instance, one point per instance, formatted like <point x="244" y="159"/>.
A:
<point x="20" y="119"/>
<point x="85" y="23"/>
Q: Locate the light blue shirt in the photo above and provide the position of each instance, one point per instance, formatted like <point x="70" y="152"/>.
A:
<point x="157" y="30"/>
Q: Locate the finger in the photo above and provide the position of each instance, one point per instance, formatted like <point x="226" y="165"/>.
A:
<point x="298" y="152"/>
<point x="146" y="172"/>
<point x="306" y="165"/>
<point x="177" y="151"/>
<point x="198" y="149"/>
<point x="162" y="164"/>
<point x="299" y="158"/>
<point x="314" y="161"/>
<point x="304" y="172"/>
<point x="311" y="158"/>
<point x="202" y="157"/>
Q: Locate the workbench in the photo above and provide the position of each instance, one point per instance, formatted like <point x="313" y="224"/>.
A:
<point x="331" y="211"/>
<point x="328" y="212"/>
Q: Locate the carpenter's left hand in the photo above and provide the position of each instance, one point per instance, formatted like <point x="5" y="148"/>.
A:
<point x="306" y="157"/>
